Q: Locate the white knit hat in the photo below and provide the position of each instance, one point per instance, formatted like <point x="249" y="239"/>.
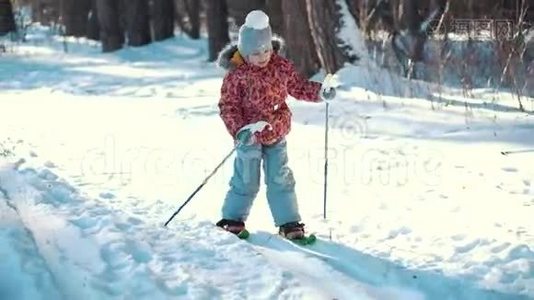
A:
<point x="255" y="34"/>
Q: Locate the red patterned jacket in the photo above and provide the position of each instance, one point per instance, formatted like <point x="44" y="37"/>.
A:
<point x="250" y="94"/>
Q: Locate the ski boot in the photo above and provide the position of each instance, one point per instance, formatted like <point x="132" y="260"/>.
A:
<point x="235" y="227"/>
<point x="294" y="231"/>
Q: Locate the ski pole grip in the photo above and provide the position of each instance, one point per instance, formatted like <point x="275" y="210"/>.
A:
<point x="327" y="82"/>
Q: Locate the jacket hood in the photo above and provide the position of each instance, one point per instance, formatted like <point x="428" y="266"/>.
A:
<point x="229" y="58"/>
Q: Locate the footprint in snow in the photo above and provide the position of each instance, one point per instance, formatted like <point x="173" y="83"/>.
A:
<point x="521" y="251"/>
<point x="470" y="245"/>
<point x="47" y="175"/>
<point x="458" y="237"/>
<point x="50" y="164"/>
<point x="84" y="222"/>
<point x="500" y="248"/>
<point x="396" y="232"/>
<point x="107" y="195"/>
<point x="113" y="253"/>
<point x="129" y="225"/>
<point x="139" y="250"/>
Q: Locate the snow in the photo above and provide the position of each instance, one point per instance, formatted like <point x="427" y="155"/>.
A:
<point x="98" y="150"/>
<point x="350" y="34"/>
<point x="257" y="19"/>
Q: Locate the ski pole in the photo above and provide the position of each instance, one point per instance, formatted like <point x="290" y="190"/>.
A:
<point x="326" y="85"/>
<point x="516" y="151"/>
<point x="325" y="161"/>
<point x="200" y="186"/>
<point x="253" y="128"/>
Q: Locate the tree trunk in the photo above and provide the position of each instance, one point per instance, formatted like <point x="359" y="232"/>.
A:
<point x="300" y="46"/>
<point x="137" y="26"/>
<point x="74" y="14"/>
<point x="111" y="34"/>
<point x="273" y="8"/>
<point x="324" y="20"/>
<point x="36" y="12"/>
<point x="51" y="11"/>
<point x="163" y="19"/>
<point x="217" y="19"/>
<point x="354" y="8"/>
<point x="193" y="12"/>
<point x="410" y="17"/>
<point x="93" y="27"/>
<point x="7" y="21"/>
<point x="238" y="9"/>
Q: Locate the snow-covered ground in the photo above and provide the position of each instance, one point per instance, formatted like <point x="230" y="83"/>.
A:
<point x="100" y="149"/>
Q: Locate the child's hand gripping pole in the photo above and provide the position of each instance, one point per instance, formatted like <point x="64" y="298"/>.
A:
<point x="246" y="135"/>
<point x="328" y="88"/>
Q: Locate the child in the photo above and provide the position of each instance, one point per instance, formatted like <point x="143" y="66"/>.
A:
<point x="253" y="93"/>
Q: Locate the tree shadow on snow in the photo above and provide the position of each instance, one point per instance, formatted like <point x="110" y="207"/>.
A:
<point x="172" y="67"/>
<point x="380" y="273"/>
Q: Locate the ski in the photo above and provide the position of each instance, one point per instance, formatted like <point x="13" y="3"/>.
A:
<point x="306" y="240"/>
<point x="244" y="234"/>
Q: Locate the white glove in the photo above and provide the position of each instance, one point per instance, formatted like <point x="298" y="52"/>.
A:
<point x="245" y="135"/>
<point x="328" y="88"/>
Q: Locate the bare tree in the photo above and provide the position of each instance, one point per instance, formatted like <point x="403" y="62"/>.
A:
<point x="238" y="9"/>
<point x="300" y="46"/>
<point x="93" y="27"/>
<point x="111" y="34"/>
<point x="163" y="19"/>
<point x="217" y="19"/>
<point x="193" y="13"/>
<point x="273" y="8"/>
<point x="74" y="14"/>
<point x="36" y="11"/>
<point x="188" y="17"/>
<point x="410" y="36"/>
<point x="7" y="21"/>
<point x="137" y="26"/>
<point x="46" y="12"/>
<point x="323" y="19"/>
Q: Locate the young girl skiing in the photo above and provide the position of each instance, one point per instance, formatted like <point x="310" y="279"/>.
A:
<point x="253" y="108"/>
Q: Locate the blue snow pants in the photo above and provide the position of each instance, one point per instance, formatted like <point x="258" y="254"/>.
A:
<point x="245" y="183"/>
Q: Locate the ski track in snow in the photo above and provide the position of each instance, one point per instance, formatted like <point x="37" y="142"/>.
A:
<point x="125" y="257"/>
<point x="93" y="252"/>
<point x="27" y="260"/>
<point x="348" y="272"/>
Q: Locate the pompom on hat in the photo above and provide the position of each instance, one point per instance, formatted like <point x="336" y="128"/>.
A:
<point x="255" y="35"/>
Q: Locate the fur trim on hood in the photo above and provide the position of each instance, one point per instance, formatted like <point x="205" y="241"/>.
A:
<point x="229" y="57"/>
